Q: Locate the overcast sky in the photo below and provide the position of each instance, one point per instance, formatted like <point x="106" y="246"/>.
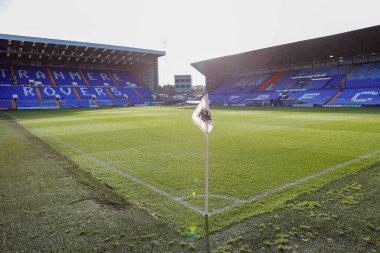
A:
<point x="194" y="30"/>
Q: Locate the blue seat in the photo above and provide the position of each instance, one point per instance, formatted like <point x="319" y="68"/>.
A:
<point x="367" y="96"/>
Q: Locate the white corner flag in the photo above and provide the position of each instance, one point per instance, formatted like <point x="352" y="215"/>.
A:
<point x="202" y="116"/>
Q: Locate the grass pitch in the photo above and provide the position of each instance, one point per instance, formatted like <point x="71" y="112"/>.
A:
<point x="251" y="151"/>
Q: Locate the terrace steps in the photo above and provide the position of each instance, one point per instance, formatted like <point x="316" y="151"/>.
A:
<point x="138" y="93"/>
<point x="343" y="82"/>
<point x="109" y="93"/>
<point x="76" y="93"/>
<point x="273" y="79"/>
<point x="51" y="77"/>
<point x="334" y="97"/>
<point x="113" y="78"/>
<point x="291" y="95"/>
<point x="13" y="73"/>
<point x="38" y="93"/>
<point x="293" y="82"/>
<point x="138" y="79"/>
<point x="84" y="78"/>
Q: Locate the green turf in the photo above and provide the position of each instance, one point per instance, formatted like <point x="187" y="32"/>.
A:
<point x="47" y="204"/>
<point x="251" y="151"/>
<point x="342" y="216"/>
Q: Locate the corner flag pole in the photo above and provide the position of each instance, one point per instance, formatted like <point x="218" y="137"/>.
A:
<point x="206" y="178"/>
<point x="206" y="170"/>
<point x="202" y="118"/>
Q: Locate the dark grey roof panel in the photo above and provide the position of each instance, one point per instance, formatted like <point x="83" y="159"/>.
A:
<point x="357" y="43"/>
<point x="79" y="44"/>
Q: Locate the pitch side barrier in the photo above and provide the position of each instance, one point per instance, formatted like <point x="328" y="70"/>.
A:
<point x="48" y="97"/>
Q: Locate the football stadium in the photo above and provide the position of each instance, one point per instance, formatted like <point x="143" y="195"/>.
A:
<point x="93" y="161"/>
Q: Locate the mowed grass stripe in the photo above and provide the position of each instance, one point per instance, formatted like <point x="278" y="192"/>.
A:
<point x="223" y="207"/>
<point x="163" y="147"/>
<point x="251" y="151"/>
<point x="109" y="166"/>
<point x="285" y="186"/>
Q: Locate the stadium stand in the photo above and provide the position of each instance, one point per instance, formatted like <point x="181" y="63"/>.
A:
<point x="5" y="104"/>
<point x="270" y="82"/>
<point x="366" y="75"/>
<point x="308" y="87"/>
<point x="67" y="77"/>
<point x="314" y="97"/>
<point x="37" y="73"/>
<point x="27" y="75"/>
<point x="350" y="97"/>
<point x="260" y="97"/>
<point x="236" y="89"/>
<point x="318" y="78"/>
<point x="5" y="75"/>
<point x="316" y="72"/>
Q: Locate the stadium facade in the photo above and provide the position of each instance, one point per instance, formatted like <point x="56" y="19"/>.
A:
<point x="48" y="73"/>
<point x="336" y="70"/>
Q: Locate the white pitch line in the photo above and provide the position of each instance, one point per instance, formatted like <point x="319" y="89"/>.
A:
<point x="182" y="201"/>
<point x="211" y="195"/>
<point x="114" y="168"/>
<point x="298" y="181"/>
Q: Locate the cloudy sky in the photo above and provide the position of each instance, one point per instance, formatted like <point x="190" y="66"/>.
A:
<point x="190" y="30"/>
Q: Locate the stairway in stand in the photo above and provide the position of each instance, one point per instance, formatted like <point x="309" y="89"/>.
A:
<point x="138" y="93"/>
<point x="38" y="93"/>
<point x="343" y="82"/>
<point x="273" y="79"/>
<point x="334" y="97"/>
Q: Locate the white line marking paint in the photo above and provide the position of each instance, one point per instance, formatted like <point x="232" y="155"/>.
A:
<point x="181" y="200"/>
<point x="298" y="181"/>
<point x="114" y="168"/>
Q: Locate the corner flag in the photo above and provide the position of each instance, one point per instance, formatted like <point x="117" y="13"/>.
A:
<point x="202" y="116"/>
